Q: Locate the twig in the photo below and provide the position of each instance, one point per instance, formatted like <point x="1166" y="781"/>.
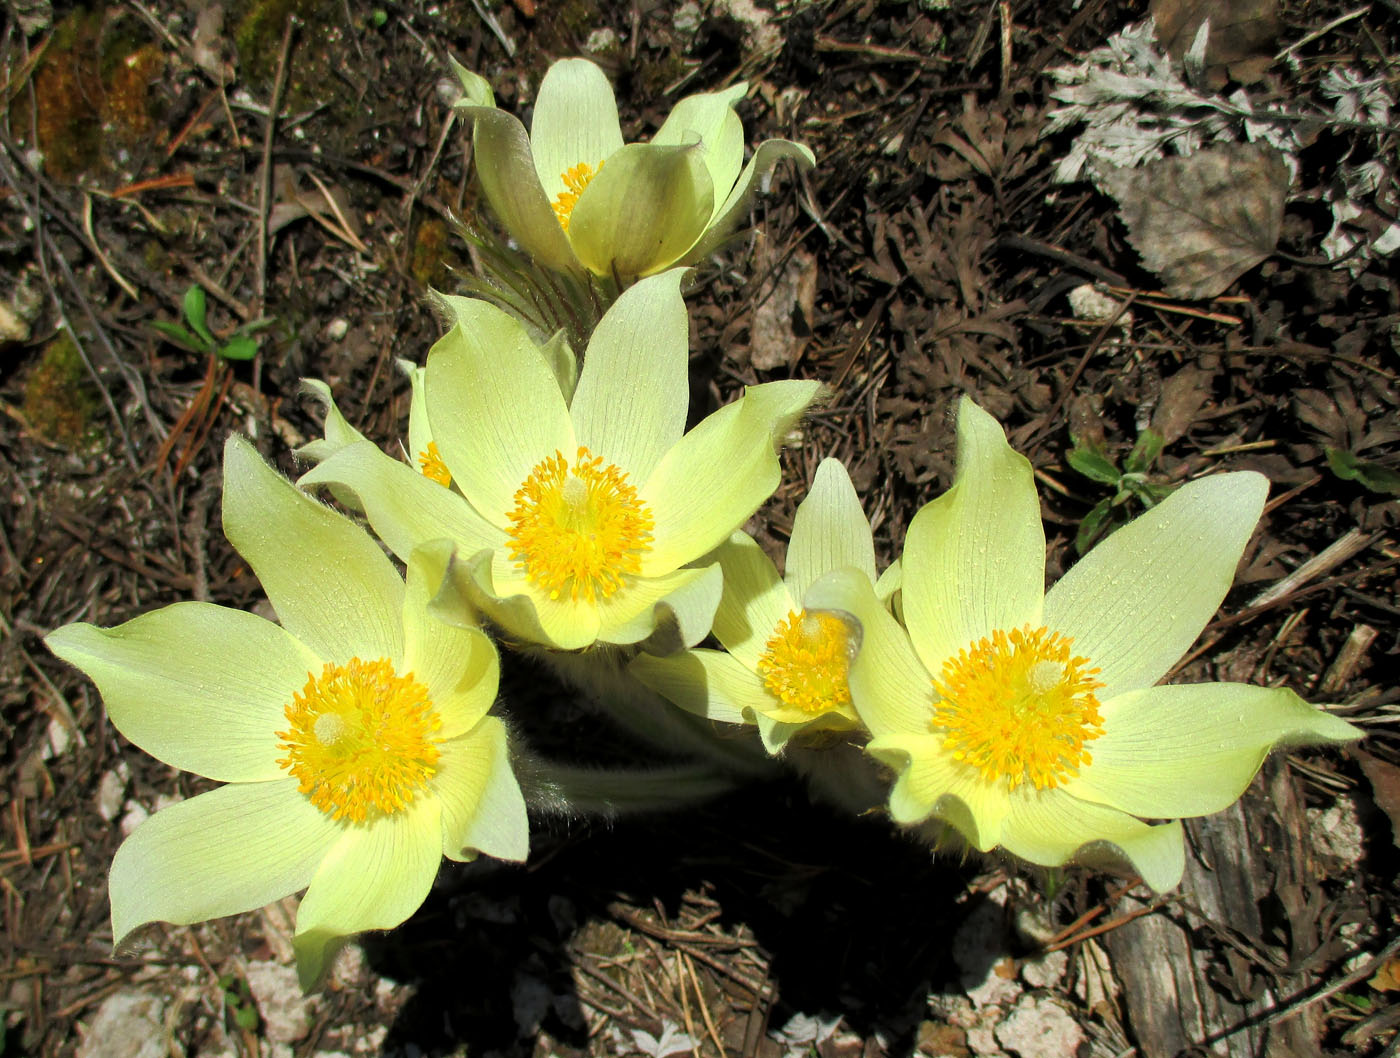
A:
<point x="1350" y="543"/>
<point x="265" y="176"/>
<point x="1322" y="31"/>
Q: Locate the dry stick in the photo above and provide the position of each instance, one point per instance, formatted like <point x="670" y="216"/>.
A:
<point x="704" y="1007"/>
<point x="1350" y="543"/>
<point x="265" y="179"/>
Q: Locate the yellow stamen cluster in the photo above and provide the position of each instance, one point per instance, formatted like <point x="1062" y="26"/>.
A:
<point x="575" y="178"/>
<point x="434" y="469"/>
<point x="360" y="739"/>
<point x="1017" y="706"/>
<point x="578" y="529"/>
<point x="807" y="661"/>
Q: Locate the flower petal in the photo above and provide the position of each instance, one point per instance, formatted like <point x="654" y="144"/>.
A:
<point x="508" y="597"/>
<point x="634" y="390"/>
<point x="495" y="409"/>
<point x="575" y="122"/>
<point x="829" y="531"/>
<point x="459" y="666"/>
<point x="1135" y="603"/>
<point x="374" y="877"/>
<point x="891" y="689"/>
<point x="678" y="607"/>
<point x="708" y="683"/>
<point x="708" y="119"/>
<point x="230" y="850"/>
<point x="483" y="809"/>
<point x="642" y="211"/>
<point x="420" y="434"/>
<point x="755" y="600"/>
<point x="331" y="585"/>
<point x="974" y="559"/>
<point x="1049" y="827"/>
<point x="735" y="207"/>
<point x="201" y="687"/>
<point x="715" y="476"/>
<point x="337" y="429"/>
<point x="505" y="165"/>
<point x="1190" y="750"/>
<point x="929" y="783"/>
<point x="404" y="507"/>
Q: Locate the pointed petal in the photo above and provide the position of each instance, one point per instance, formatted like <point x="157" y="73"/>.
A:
<point x="559" y="355"/>
<point x="708" y="119"/>
<point x="892" y="691"/>
<point x="374" y="877"/>
<point x="755" y="600"/>
<point x="230" y="850"/>
<point x="338" y="431"/>
<point x="1135" y="603"/>
<point x="708" y="683"/>
<point x="179" y="683"/>
<point x="735" y="208"/>
<point x="506" y="167"/>
<point x="1191" y="750"/>
<point x="974" y="559"/>
<point x="404" y="507"/>
<point x="929" y="783"/>
<point x="890" y="583"/>
<point x="642" y="211"/>
<point x="495" y="408"/>
<point x="829" y="531"/>
<point x="634" y="391"/>
<point x="1051" y="828"/>
<point x="331" y="585"/>
<point x="476" y="90"/>
<point x="575" y="122"/>
<point x="420" y="435"/>
<point x="706" y="486"/>
<point x="483" y="809"/>
<point x="459" y="666"/>
<point x="685" y="600"/>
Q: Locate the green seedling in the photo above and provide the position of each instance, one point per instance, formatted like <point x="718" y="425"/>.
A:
<point x="1129" y="483"/>
<point x="1351" y="467"/>
<point x="199" y="338"/>
<point x="239" y="1000"/>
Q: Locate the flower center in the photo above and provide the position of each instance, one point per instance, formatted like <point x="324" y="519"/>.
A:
<point x="1018" y="707"/>
<point x="360" y="739"/>
<point x="807" y="661"/>
<point x="579" y="529"/>
<point x="575" y="179"/>
<point x="434" y="469"/>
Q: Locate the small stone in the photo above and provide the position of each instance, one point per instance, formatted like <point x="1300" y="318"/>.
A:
<point x="127" y="1025"/>
<point x="136" y="814"/>
<point x="1336" y="831"/>
<point x="337" y="329"/>
<point x="686" y="18"/>
<point x="1088" y="303"/>
<point x="285" y="1011"/>
<point x="111" y="788"/>
<point x="941" y="1041"/>
<point x="1040" y="1028"/>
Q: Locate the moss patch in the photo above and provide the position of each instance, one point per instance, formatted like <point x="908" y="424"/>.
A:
<point x="59" y="401"/>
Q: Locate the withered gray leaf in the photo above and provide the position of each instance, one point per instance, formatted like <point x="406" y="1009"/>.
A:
<point x="1202" y="221"/>
<point x="1242" y="35"/>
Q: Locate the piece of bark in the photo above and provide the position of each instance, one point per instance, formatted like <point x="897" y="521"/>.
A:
<point x="1185" y="988"/>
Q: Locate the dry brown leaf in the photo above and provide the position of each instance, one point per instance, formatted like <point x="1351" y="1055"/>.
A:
<point x="1385" y="788"/>
<point x="1202" y="221"/>
<point x="781" y="325"/>
<point x="1242" y="35"/>
<point x="1387" y="978"/>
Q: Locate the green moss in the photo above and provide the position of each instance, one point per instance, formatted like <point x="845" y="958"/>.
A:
<point x="654" y="76"/>
<point x="433" y="258"/>
<point x="258" y="33"/>
<point x="59" y="401"/>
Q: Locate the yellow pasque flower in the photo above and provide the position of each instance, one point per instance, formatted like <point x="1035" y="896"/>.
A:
<point x="353" y="737"/>
<point x="782" y="668"/>
<point x="1029" y="719"/>
<point x="576" y="197"/>
<point x="575" y="514"/>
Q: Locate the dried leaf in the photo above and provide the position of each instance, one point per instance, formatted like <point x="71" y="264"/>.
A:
<point x="1202" y="221"/>
<point x="1242" y="37"/>
<point x="1385" y="788"/>
<point x="1387" y="978"/>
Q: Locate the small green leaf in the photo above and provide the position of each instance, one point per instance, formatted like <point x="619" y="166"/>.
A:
<point x="194" y="313"/>
<point x="245" y="1015"/>
<point x="1093" y="464"/>
<point x="180" y="336"/>
<point x="1093" y="525"/>
<point x="1145" y="452"/>
<point x="240" y="347"/>
<point x="1350" y="467"/>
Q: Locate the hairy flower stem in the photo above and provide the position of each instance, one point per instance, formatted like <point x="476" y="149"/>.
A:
<point x="561" y="789"/>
